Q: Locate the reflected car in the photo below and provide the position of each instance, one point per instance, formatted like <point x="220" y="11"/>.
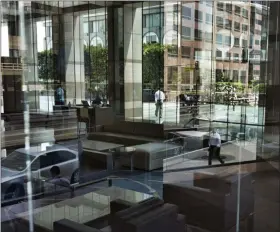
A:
<point x="15" y="166"/>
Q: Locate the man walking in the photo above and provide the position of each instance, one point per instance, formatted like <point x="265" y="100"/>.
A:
<point x="214" y="147"/>
<point x="159" y="98"/>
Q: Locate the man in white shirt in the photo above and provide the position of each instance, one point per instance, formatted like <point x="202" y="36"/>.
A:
<point x="159" y="98"/>
<point x="214" y="147"/>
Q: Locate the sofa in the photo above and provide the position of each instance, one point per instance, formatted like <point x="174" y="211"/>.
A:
<point x="150" y="215"/>
<point x="128" y="133"/>
<point x="211" y="203"/>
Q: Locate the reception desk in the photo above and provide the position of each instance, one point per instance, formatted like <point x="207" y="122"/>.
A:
<point x="94" y="116"/>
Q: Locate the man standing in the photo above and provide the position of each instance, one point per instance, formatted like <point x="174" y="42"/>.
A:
<point x="59" y="96"/>
<point x="159" y="98"/>
<point x="214" y="147"/>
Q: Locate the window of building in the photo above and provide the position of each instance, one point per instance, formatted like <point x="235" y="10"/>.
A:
<point x="208" y="54"/>
<point x="257" y="32"/>
<point x="156" y="20"/>
<point x="220" y="6"/>
<point x="219" y="54"/>
<point x="244" y="28"/>
<point x="256" y="72"/>
<point x="14" y="53"/>
<point x="236" y="57"/>
<point x="198" y="34"/>
<point x="245" y="13"/>
<point x="172" y="74"/>
<point x="151" y="38"/>
<point x="209" y="18"/>
<point x="197" y="53"/>
<point x="259" y="22"/>
<point x="172" y="50"/>
<point x="208" y="36"/>
<point x="97" y="26"/>
<point x="236" y="42"/>
<point x="186" y="76"/>
<point x="236" y="26"/>
<point x="152" y="20"/>
<point x="209" y="3"/>
<point x="228" y="24"/>
<point x="243" y="77"/>
<point x="244" y="43"/>
<point x="186" y="51"/>
<point x="228" y="55"/>
<point x="219" y="39"/>
<point x="251" y="40"/>
<point x="228" y="40"/>
<point x="229" y="7"/>
<point x="198" y="15"/>
<point x="86" y="28"/>
<point x="235" y="75"/>
<point x="219" y="21"/>
<point x="257" y="42"/>
<point x="237" y="10"/>
<point x="13" y="28"/>
<point x="186" y="12"/>
<point x="186" y="32"/>
<point x="48" y="31"/>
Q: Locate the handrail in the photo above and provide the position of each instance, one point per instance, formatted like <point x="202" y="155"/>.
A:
<point x="151" y="190"/>
<point x="12" y="66"/>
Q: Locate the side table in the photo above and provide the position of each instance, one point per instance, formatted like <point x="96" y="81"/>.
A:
<point x="129" y="151"/>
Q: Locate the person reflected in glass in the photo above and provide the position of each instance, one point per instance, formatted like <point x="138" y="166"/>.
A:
<point x="59" y="96"/>
<point x="214" y="146"/>
<point x="57" y="179"/>
<point x="159" y="99"/>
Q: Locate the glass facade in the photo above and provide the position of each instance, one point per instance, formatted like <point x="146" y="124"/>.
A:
<point x="216" y="63"/>
<point x="72" y="49"/>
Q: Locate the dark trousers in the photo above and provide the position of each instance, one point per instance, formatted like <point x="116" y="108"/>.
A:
<point x="214" y="150"/>
<point x="59" y="103"/>
<point x="158" y="108"/>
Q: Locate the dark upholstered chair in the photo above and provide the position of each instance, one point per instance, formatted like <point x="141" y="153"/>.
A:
<point x="66" y="225"/>
<point x="148" y="216"/>
<point x="212" y="207"/>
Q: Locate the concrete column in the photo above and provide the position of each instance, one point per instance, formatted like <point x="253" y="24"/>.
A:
<point x="133" y="61"/>
<point x="74" y="58"/>
<point x="31" y="62"/>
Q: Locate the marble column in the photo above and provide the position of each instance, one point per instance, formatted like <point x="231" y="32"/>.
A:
<point x="74" y="82"/>
<point x="31" y="62"/>
<point x="133" y="61"/>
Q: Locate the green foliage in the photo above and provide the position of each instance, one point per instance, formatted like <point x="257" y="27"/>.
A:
<point x="259" y="88"/>
<point x="220" y="86"/>
<point x="47" y="62"/>
<point x="96" y="62"/>
<point x="153" y="64"/>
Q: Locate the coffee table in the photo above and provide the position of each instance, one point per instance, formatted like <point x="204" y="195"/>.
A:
<point x="99" y="145"/>
<point x="82" y="209"/>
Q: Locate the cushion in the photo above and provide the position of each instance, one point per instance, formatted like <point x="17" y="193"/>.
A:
<point x="66" y="225"/>
<point x="149" y="129"/>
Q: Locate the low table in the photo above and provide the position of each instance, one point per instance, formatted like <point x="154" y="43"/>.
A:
<point x="194" y="139"/>
<point x="99" y="145"/>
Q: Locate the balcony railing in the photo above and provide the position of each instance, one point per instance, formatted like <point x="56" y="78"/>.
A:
<point x="12" y="66"/>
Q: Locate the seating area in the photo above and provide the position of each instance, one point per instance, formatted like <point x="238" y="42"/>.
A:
<point x="209" y="200"/>
<point x="150" y="215"/>
<point x="129" y="133"/>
